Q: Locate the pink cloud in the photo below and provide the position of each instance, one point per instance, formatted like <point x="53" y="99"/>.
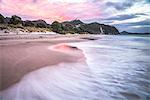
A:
<point x="50" y="11"/>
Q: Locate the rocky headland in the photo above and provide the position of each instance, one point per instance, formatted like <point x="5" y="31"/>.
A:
<point x="15" y="24"/>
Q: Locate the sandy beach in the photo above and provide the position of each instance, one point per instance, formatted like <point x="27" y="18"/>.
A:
<point x="21" y="56"/>
<point x="74" y="50"/>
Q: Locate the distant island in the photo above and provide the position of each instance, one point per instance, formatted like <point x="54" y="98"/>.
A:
<point x="130" y="33"/>
<point x="15" y="23"/>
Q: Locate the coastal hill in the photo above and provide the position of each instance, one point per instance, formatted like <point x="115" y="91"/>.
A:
<point x="68" y="27"/>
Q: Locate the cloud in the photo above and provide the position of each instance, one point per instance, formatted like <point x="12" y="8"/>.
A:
<point x="138" y="29"/>
<point x="121" y="17"/>
<point x="141" y="23"/>
<point x="143" y="29"/>
<point x="134" y="24"/>
<point x="50" y="10"/>
<point x="120" y="5"/>
<point x="121" y="13"/>
<point x="130" y="15"/>
<point x="140" y="26"/>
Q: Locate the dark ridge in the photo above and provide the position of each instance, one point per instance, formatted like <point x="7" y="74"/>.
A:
<point x="130" y="33"/>
<point x="67" y="27"/>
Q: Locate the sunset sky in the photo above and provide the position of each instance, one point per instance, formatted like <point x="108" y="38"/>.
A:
<point x="129" y="15"/>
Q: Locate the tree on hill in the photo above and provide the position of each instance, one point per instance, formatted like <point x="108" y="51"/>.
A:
<point x="15" y="20"/>
<point x="40" y="23"/>
<point x="28" y="23"/>
<point x="57" y="27"/>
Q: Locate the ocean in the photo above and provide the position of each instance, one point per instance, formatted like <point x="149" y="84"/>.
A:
<point x="116" y="68"/>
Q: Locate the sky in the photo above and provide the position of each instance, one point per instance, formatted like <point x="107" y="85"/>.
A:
<point x="125" y="15"/>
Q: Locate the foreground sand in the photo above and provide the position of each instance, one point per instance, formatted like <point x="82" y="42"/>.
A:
<point x="19" y="57"/>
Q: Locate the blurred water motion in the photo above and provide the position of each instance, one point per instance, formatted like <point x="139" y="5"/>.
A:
<point x="116" y="68"/>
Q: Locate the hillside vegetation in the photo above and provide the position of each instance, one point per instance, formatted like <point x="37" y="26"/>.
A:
<point x="68" y="27"/>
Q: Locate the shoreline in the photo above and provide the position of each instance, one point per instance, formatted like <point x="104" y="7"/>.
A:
<point x="45" y="36"/>
<point x="22" y="56"/>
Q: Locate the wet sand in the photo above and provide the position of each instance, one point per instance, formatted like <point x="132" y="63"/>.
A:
<point x="19" y="57"/>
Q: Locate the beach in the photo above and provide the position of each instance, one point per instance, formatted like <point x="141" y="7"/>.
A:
<point x="72" y="67"/>
<point x="20" y="56"/>
<point x="74" y="50"/>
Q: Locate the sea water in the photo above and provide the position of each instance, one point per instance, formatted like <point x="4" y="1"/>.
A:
<point x="116" y="68"/>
